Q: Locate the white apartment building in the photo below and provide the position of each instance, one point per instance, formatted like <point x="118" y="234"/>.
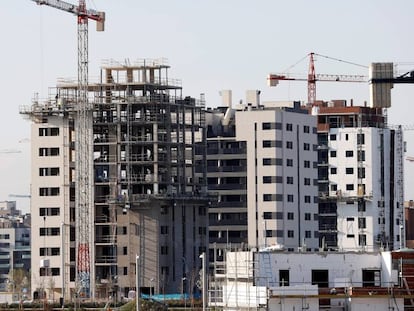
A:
<point x="360" y="179"/>
<point x="281" y="142"/>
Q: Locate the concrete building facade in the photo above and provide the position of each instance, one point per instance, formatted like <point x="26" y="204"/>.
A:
<point x="281" y="174"/>
<point x="14" y="247"/>
<point x="262" y="162"/>
<point x="148" y="199"/>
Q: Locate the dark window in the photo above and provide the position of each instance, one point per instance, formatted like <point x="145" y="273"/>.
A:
<point x="332" y="137"/>
<point x="289" y="127"/>
<point x="272" y="161"/>
<point x="307" y="181"/>
<point x="306" y="164"/>
<point x="360" y="138"/>
<point x="361" y="206"/>
<point x="49" y="251"/>
<point x="283" y="277"/>
<point x="349" y="170"/>
<point x="349" y="153"/>
<point x="49" y="171"/>
<point x="362" y="240"/>
<point x="272" y="197"/>
<point x="290" y="216"/>
<point x="333" y="170"/>
<point x="267" y="179"/>
<point x="306" y="128"/>
<point x="307" y="216"/>
<point x="53" y="131"/>
<point x="52" y="191"/>
<point x="289" y="162"/>
<point x="361" y="155"/>
<point x="49" y="211"/>
<point x="290" y="234"/>
<point x="307" y="198"/>
<point x="349" y="186"/>
<point x="268" y="143"/>
<point x="371" y="278"/>
<point x="306" y="146"/>
<point x="308" y="234"/>
<point x="333" y="154"/>
<point x="290" y="197"/>
<point x="289" y="180"/>
<point x="361" y="172"/>
<point x="267" y="215"/>
<point x="267" y="126"/>
<point x="53" y="231"/>
<point x="362" y="223"/>
<point x="289" y="145"/>
<point x="44" y="152"/>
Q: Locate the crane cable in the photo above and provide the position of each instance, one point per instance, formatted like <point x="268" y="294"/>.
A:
<point x="41" y="56"/>
<point x="328" y="57"/>
<point x="340" y="60"/>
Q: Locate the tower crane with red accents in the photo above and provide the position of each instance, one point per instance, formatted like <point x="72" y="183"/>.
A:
<point x="382" y="77"/>
<point x="84" y="156"/>
<point x="312" y="77"/>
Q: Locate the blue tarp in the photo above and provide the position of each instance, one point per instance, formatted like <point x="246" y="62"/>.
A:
<point x="167" y="297"/>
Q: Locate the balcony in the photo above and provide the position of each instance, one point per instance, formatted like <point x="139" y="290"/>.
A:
<point x="105" y="259"/>
<point x="105" y="239"/>
<point x="226" y="169"/>
<point x="227" y="187"/>
<point x="228" y="222"/>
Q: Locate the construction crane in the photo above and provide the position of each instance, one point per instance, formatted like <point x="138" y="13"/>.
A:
<point x="381" y="77"/>
<point x="84" y="156"/>
<point x="312" y="77"/>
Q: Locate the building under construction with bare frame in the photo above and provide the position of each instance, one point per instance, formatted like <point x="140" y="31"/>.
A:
<point x="149" y="200"/>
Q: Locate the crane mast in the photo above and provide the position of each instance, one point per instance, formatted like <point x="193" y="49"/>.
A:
<point x="84" y="155"/>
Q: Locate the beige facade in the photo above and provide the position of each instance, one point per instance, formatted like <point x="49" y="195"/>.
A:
<point x="281" y="175"/>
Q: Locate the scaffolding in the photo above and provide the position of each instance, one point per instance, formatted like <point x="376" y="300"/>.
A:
<point x="145" y="138"/>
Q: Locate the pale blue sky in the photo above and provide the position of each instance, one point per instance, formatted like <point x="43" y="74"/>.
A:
<point x="211" y="45"/>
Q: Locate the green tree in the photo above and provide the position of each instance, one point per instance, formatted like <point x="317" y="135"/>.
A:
<point x="18" y="279"/>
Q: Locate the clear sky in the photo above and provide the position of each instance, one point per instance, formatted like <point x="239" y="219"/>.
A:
<point x="211" y="45"/>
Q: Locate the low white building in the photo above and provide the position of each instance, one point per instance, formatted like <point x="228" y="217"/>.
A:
<point x="311" y="281"/>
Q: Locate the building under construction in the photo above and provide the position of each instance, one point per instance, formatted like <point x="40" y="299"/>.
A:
<point x="148" y="198"/>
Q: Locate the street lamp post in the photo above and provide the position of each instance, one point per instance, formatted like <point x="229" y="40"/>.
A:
<point x="183" y="292"/>
<point x="203" y="281"/>
<point x="137" y="281"/>
<point x="151" y="285"/>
